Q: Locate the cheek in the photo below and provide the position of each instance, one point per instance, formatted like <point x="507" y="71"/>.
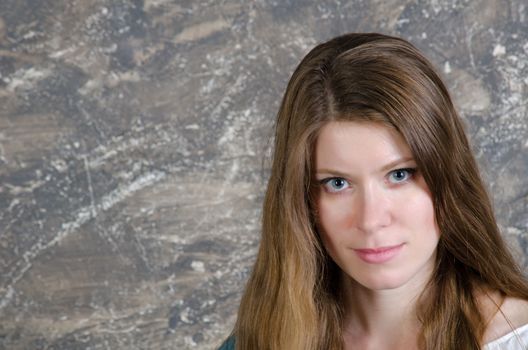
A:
<point x="419" y="215"/>
<point x="333" y="218"/>
<point x="333" y="213"/>
<point x="419" y="208"/>
<point x="330" y="242"/>
<point x="425" y="210"/>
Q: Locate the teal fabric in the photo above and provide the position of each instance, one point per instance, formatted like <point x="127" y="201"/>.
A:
<point x="229" y="344"/>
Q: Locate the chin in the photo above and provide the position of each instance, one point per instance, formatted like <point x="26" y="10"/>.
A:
<point x="383" y="282"/>
<point x="382" y="285"/>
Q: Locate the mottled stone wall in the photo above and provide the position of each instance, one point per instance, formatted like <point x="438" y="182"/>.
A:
<point x="134" y="138"/>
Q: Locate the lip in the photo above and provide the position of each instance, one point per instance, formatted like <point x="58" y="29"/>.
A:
<point x="379" y="255"/>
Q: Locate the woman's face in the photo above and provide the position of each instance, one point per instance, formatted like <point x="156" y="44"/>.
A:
<point x="375" y="211"/>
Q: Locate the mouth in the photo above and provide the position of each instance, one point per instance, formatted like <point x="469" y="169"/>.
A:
<point x="379" y="255"/>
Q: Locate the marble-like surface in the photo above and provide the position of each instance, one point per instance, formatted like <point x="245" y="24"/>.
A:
<point x="134" y="145"/>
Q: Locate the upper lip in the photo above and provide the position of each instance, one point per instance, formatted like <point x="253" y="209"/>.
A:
<point x="378" y="249"/>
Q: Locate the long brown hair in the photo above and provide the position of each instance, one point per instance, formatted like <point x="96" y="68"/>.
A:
<point x="292" y="299"/>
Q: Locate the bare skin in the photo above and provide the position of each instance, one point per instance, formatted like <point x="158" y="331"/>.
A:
<point x="377" y="318"/>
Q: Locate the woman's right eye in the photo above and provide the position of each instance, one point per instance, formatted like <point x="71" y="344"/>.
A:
<point x="335" y="184"/>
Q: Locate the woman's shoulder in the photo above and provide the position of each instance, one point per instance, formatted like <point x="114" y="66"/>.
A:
<point x="514" y="340"/>
<point x="510" y="318"/>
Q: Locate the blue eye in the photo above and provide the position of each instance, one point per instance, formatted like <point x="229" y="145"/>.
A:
<point x="335" y="184"/>
<point x="401" y="175"/>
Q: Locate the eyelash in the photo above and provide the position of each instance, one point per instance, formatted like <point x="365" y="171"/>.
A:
<point x="410" y="173"/>
<point x="326" y="183"/>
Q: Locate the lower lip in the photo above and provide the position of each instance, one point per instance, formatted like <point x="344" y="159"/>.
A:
<point x="378" y="256"/>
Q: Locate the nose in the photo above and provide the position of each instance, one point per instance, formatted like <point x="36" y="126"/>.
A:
<point x="372" y="209"/>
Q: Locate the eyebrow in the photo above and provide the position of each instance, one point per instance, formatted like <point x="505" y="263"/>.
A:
<point x="386" y="167"/>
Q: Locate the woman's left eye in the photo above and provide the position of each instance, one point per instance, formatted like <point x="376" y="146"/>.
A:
<point x="401" y="175"/>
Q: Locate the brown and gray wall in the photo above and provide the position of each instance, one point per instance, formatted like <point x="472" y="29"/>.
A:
<point x="134" y="145"/>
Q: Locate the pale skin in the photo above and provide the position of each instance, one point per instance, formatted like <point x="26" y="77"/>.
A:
<point x="377" y="223"/>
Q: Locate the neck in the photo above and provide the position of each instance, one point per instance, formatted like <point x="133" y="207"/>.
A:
<point x="378" y="316"/>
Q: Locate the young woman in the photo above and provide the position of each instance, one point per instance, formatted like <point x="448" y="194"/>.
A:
<point x="377" y="230"/>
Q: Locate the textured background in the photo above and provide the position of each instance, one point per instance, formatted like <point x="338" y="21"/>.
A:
<point x="134" y="145"/>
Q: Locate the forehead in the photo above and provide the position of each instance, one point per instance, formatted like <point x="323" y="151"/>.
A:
<point x="357" y="143"/>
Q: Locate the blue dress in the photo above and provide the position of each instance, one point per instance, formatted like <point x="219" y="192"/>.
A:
<point x="229" y="344"/>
